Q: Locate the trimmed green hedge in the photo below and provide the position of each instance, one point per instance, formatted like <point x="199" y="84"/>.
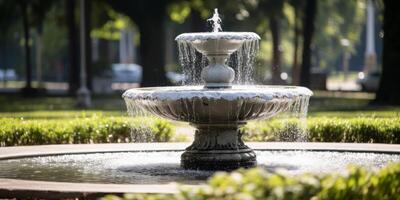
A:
<point x="363" y="130"/>
<point x="83" y="130"/>
<point x="258" y="184"/>
<point x="102" y="129"/>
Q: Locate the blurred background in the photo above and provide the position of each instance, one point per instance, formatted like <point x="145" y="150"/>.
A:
<point x="99" y="48"/>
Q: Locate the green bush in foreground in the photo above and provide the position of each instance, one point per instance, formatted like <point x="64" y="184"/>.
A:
<point x="258" y="184"/>
<point x="83" y="130"/>
<point x="363" y="130"/>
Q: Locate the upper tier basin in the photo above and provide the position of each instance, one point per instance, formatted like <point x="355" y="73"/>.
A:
<point x="217" y="43"/>
<point x="197" y="105"/>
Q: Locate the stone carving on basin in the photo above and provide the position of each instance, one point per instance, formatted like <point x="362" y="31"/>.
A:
<point x="218" y="108"/>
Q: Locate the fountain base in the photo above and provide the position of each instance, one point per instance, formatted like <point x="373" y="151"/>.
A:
<point x="218" y="147"/>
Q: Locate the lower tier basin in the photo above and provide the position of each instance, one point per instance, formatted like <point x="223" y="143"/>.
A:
<point x="217" y="114"/>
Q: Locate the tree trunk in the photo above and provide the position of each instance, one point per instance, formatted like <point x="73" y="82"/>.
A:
<point x="88" y="44"/>
<point x="308" y="32"/>
<point x="296" y="40"/>
<point x="276" y="52"/>
<point x="149" y="16"/>
<point x="152" y="50"/>
<point x="39" y="56"/>
<point x="28" y="63"/>
<point x="389" y="88"/>
<point x="73" y="79"/>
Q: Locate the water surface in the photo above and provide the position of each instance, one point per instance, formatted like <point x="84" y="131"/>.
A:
<point x="163" y="167"/>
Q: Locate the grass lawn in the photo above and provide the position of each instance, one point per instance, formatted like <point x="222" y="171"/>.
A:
<point x="63" y="114"/>
<point x="16" y="103"/>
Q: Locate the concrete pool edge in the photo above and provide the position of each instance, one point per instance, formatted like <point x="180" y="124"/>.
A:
<point x="26" y="189"/>
<point x="42" y="189"/>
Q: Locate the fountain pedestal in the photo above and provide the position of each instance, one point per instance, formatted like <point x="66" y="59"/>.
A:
<point x="218" y="147"/>
<point x="217" y="74"/>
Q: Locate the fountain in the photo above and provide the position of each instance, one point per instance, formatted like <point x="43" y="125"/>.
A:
<point x="218" y="108"/>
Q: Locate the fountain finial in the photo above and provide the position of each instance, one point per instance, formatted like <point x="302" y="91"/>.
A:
<point x="216" y="21"/>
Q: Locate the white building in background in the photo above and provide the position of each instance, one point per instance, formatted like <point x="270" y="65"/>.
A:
<point x="370" y="63"/>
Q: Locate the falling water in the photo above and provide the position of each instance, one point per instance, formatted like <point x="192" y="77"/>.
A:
<point x="294" y="121"/>
<point x="243" y="60"/>
<point x="192" y="63"/>
<point x="139" y="122"/>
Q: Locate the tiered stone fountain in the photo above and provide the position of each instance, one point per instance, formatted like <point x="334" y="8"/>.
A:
<point x="218" y="108"/>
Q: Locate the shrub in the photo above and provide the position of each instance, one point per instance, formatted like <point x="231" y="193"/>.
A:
<point x="82" y="130"/>
<point x="256" y="183"/>
<point x="154" y="130"/>
<point x="163" y="131"/>
<point x="365" y="130"/>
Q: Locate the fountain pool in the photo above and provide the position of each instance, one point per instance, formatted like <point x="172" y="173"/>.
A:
<point x="92" y="170"/>
<point x="164" y="167"/>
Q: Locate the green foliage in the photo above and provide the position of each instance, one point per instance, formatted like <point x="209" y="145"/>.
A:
<point x="178" y="12"/>
<point x="163" y="131"/>
<point x="368" y="130"/>
<point x="365" y="130"/>
<point x="54" y="37"/>
<point x="110" y="28"/>
<point x="146" y="129"/>
<point x="256" y="183"/>
<point x="15" y="132"/>
<point x="337" y="20"/>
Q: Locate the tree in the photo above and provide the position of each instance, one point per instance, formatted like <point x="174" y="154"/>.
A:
<point x="274" y="24"/>
<point x="389" y="87"/>
<point x="337" y="20"/>
<point x="297" y="8"/>
<point x="308" y="32"/>
<point x="39" y="11"/>
<point x="28" y="64"/>
<point x="33" y="14"/>
<point x="273" y="10"/>
<point x="73" y="78"/>
<point x="88" y="44"/>
<point x="149" y="16"/>
<point x="8" y="16"/>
